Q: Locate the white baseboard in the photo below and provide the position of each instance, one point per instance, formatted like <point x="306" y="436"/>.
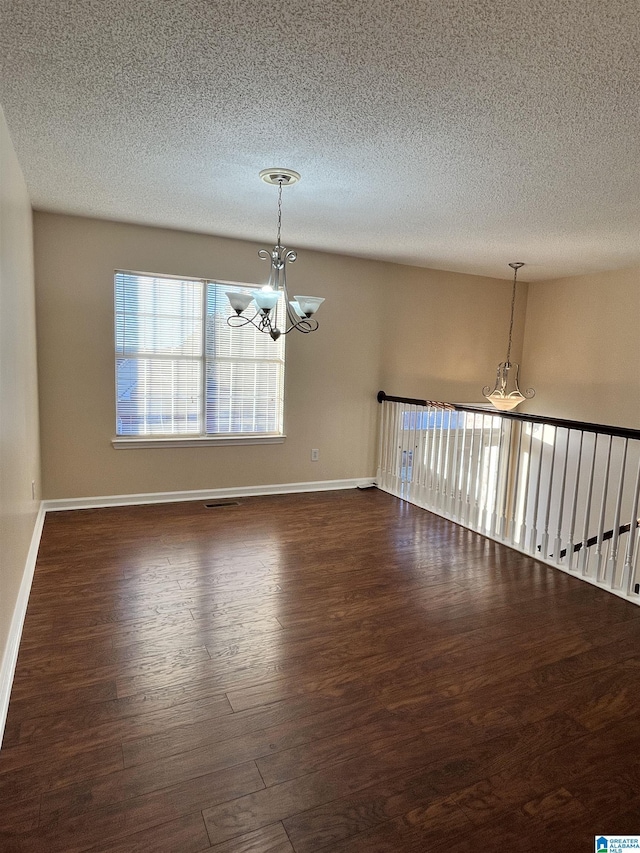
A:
<point x="204" y="494"/>
<point x="10" y="657"/>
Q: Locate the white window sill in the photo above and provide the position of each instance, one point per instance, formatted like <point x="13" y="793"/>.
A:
<point x="146" y="442"/>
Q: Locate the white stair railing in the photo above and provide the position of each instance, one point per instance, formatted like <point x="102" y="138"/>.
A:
<point x="564" y="492"/>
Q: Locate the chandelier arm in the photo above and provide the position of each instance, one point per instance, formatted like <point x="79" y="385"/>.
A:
<point x="290" y="316"/>
<point x="237" y="321"/>
<point x="304" y="325"/>
<point x="263" y="323"/>
<point x="530" y="392"/>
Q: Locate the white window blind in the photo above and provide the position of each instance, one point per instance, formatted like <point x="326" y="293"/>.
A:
<point x="181" y="370"/>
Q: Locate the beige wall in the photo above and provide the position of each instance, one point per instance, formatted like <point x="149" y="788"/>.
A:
<point x="331" y="378"/>
<point x="414" y="331"/>
<point x="19" y="451"/>
<point x="581" y="347"/>
<point x="446" y="333"/>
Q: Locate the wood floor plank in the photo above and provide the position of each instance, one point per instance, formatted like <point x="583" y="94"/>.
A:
<point x="285" y="722"/>
<point x="61" y="699"/>
<point x="327" y="752"/>
<point x="269" y="839"/>
<point x="50" y="637"/>
<point x="141" y="715"/>
<point x="335" y="821"/>
<point x="439" y="820"/>
<point x="194" y="679"/>
<point x="139" y="779"/>
<point x="187" y="834"/>
<point x="278" y="802"/>
<point x="53" y="770"/>
<point x="180" y="664"/>
<point x="19" y="815"/>
<point x="73" y="833"/>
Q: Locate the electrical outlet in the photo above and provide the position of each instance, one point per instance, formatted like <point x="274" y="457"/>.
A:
<point x="315" y="454"/>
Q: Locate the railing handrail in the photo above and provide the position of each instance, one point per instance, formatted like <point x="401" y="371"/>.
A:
<point x="412" y="402"/>
<point x="582" y="426"/>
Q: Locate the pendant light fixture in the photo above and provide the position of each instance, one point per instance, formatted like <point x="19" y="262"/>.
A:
<point x="261" y="305"/>
<point x="506" y="394"/>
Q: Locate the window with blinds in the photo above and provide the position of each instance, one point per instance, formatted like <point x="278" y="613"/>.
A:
<point x="181" y="370"/>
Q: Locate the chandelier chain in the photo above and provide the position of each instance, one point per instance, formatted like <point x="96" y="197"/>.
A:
<point x="513" y="302"/>
<point x="279" y="209"/>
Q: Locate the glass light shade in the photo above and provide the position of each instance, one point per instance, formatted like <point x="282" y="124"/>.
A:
<point x="266" y="299"/>
<point x="309" y="304"/>
<point x="505" y="403"/>
<point x="297" y="309"/>
<point x="239" y="301"/>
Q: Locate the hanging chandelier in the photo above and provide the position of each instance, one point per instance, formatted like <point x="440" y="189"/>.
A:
<point x="261" y="305"/>
<point x="506" y="394"/>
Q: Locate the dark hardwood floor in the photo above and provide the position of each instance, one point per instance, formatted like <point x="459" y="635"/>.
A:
<point x="326" y="672"/>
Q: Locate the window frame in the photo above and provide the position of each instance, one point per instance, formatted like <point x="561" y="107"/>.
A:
<point x="168" y="440"/>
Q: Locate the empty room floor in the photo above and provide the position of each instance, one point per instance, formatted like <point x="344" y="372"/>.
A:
<point x="337" y="671"/>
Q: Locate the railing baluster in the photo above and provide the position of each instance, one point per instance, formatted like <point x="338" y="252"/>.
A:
<point x="397" y="452"/>
<point x="405" y="435"/>
<point x="603" y="510"/>
<point x="462" y="468"/>
<point x="525" y="503"/>
<point x="574" y="504"/>
<point x="428" y="455"/>
<point x="487" y="474"/>
<point x="627" y="571"/>
<point x="544" y="546"/>
<point x="502" y="522"/>
<point x="386" y="429"/>
<point x="610" y="573"/>
<point x="467" y="496"/>
<point x="429" y="451"/>
<point x="406" y="452"/>
<point x="381" y="434"/>
<point x="494" y="513"/>
<point x="453" y="486"/>
<point x="534" y="527"/>
<point x="446" y="482"/>
<point x="557" y="545"/>
<point x="438" y="472"/>
<point x="414" y="447"/>
<point x="516" y="486"/>
<point x="583" y="562"/>
<point x="634" y="586"/>
<point x="419" y="458"/>
<point x="477" y="490"/>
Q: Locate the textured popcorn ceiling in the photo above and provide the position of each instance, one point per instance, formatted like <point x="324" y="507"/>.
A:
<point x="455" y="134"/>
